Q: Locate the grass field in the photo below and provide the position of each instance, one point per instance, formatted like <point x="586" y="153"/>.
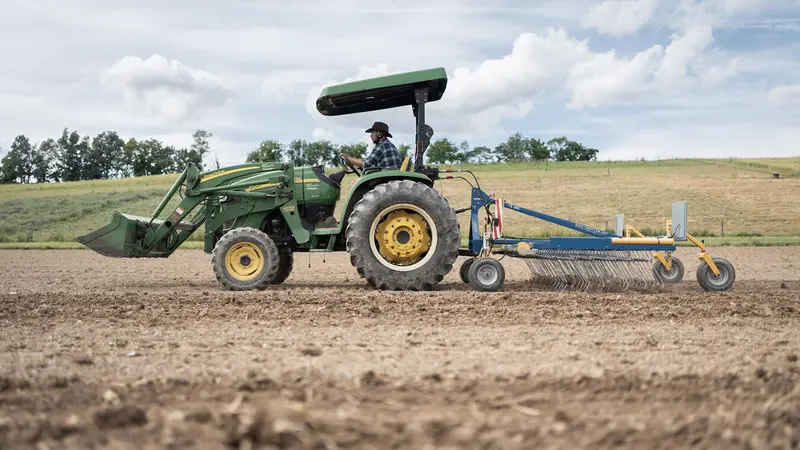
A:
<point x="737" y="197"/>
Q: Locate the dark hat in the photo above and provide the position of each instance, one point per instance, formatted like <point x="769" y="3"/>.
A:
<point x="379" y="126"/>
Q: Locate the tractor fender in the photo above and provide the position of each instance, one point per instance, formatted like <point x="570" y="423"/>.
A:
<point x="368" y="182"/>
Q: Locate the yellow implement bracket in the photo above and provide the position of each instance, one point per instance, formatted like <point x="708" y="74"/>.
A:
<point x="704" y="255"/>
<point x="666" y="261"/>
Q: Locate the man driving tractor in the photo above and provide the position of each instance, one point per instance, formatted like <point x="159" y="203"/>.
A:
<point x="385" y="155"/>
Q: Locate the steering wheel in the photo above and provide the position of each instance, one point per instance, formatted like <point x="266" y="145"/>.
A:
<point x="348" y="168"/>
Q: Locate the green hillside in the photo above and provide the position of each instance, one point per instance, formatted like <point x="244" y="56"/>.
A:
<point x="739" y="197"/>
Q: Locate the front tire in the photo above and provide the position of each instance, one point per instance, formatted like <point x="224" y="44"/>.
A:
<point x="403" y="235"/>
<point x="245" y="259"/>
<point x="285" y="266"/>
<point x="464" y="272"/>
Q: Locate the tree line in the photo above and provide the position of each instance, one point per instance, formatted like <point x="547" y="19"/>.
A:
<point x="73" y="157"/>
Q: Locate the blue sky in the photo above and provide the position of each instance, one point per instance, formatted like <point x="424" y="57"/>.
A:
<point x="633" y="78"/>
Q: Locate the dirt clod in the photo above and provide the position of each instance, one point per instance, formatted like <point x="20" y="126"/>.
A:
<point x="120" y="416"/>
<point x="83" y="360"/>
<point x="311" y="350"/>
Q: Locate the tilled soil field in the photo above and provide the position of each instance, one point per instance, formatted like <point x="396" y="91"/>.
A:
<point x="110" y="353"/>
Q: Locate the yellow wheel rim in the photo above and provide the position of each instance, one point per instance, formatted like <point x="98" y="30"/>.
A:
<point x="244" y="261"/>
<point x="403" y="238"/>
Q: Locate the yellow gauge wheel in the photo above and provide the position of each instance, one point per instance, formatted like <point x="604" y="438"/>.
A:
<point x="244" y="261"/>
<point x="403" y="238"/>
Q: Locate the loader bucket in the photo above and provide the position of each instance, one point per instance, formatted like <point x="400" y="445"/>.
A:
<point x="117" y="239"/>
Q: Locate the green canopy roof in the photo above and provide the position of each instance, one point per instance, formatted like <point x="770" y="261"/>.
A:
<point x="390" y="91"/>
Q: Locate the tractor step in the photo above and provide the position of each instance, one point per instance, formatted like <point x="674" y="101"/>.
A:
<point x="325" y="231"/>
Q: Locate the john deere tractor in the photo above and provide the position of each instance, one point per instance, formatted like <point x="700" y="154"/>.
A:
<point x="401" y="234"/>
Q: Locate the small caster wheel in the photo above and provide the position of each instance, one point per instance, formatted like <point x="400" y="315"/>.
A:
<point x="486" y="274"/>
<point x="671" y="276"/>
<point x="710" y="282"/>
<point x="465" y="270"/>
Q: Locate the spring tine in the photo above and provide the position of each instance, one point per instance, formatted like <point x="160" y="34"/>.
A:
<point x="593" y="269"/>
<point x="602" y="274"/>
<point x="610" y="273"/>
<point x="584" y="266"/>
<point x="553" y="267"/>
<point x="573" y="271"/>
<point x="641" y="274"/>
<point x="591" y="275"/>
<point x="599" y="273"/>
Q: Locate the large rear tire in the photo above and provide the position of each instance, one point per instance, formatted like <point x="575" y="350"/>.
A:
<point x="245" y="259"/>
<point x="403" y="235"/>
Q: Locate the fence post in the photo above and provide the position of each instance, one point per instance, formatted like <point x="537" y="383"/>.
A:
<point x="722" y="227"/>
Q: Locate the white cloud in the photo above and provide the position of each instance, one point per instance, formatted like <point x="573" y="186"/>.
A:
<point x="286" y="85"/>
<point x="683" y="51"/>
<point x="785" y="95"/>
<point x="620" y="17"/>
<point x="706" y="141"/>
<point x="165" y="87"/>
<point x="603" y="78"/>
<point x="535" y="62"/>
<point x="652" y="74"/>
<point x="321" y="134"/>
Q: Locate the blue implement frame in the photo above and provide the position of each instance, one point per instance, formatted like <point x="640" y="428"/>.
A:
<point x="597" y="240"/>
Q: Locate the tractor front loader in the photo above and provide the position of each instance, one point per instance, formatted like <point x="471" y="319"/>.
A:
<point x="400" y="232"/>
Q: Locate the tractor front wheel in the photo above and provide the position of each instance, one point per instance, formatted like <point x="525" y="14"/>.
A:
<point x="403" y="235"/>
<point x="245" y="259"/>
<point x="285" y="265"/>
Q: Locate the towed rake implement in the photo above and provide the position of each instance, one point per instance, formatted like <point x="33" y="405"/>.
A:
<point x="599" y="261"/>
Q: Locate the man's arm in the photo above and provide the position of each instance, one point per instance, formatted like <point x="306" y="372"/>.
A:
<point x="357" y="162"/>
<point x="370" y="160"/>
<point x="373" y="158"/>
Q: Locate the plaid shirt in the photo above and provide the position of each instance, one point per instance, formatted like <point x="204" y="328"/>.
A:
<point x="385" y="156"/>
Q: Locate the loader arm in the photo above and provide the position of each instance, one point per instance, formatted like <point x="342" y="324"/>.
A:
<point x="203" y="200"/>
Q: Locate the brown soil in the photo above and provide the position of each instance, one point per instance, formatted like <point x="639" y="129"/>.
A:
<point x="111" y="353"/>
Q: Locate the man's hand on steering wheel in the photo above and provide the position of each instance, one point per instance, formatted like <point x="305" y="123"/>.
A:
<point x="348" y="165"/>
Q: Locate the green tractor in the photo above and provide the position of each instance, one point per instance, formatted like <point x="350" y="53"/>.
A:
<point x="401" y="234"/>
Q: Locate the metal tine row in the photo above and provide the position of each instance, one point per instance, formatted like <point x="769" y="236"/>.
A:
<point x="585" y="270"/>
